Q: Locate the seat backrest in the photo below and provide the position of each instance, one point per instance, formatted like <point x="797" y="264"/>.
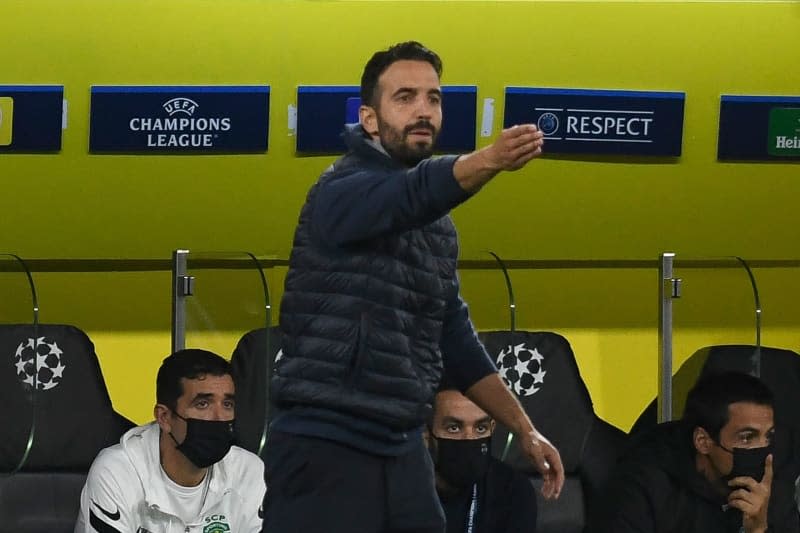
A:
<point x="249" y="367"/>
<point x="74" y="421"/>
<point x="780" y="370"/>
<point x="73" y="411"/>
<point x="564" y="515"/>
<point x="540" y="368"/>
<point x="33" y="502"/>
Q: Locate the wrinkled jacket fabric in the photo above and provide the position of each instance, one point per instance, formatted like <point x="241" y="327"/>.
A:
<point x="371" y="303"/>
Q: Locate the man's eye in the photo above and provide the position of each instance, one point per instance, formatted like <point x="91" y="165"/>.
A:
<point x="201" y="404"/>
<point x="482" y="428"/>
<point x="452" y="428"/>
<point x="229" y="404"/>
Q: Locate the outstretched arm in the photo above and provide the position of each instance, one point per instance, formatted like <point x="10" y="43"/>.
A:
<point x="494" y="397"/>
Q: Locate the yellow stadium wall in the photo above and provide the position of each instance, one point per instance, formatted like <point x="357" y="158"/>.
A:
<point x="74" y="205"/>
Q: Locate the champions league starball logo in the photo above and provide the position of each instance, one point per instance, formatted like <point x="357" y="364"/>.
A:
<point x="40" y="359"/>
<point x="521" y="369"/>
<point x="548" y="123"/>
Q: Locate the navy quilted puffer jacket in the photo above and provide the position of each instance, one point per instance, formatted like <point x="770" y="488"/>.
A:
<point x="371" y="304"/>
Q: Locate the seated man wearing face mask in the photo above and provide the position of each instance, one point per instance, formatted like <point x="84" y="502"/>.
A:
<point x="710" y="472"/>
<point x="181" y="472"/>
<point x="478" y="493"/>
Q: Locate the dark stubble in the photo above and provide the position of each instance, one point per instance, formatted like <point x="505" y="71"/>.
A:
<point x="395" y="142"/>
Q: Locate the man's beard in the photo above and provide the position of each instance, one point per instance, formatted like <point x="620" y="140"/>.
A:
<point x="396" y="145"/>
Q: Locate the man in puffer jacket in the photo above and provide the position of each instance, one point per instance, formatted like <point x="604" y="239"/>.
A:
<point x="372" y="313"/>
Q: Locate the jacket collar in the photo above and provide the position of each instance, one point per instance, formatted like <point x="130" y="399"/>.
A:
<point x="670" y="445"/>
<point x="141" y="445"/>
<point x="359" y="142"/>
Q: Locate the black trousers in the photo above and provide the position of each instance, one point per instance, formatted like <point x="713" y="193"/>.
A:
<point x="320" y="486"/>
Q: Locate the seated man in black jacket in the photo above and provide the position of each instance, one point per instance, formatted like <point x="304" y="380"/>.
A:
<point x="478" y="492"/>
<point x="709" y="472"/>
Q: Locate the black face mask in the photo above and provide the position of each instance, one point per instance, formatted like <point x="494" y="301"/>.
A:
<point x="206" y="442"/>
<point x="748" y="462"/>
<point x="462" y="462"/>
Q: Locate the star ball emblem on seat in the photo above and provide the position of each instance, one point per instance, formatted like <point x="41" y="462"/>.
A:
<point x="45" y="357"/>
<point x="521" y="368"/>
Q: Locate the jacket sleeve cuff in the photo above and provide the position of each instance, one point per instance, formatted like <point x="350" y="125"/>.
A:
<point x="445" y="187"/>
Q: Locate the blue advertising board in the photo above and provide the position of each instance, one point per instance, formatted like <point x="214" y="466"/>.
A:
<point x="759" y="128"/>
<point x="323" y="111"/>
<point x="588" y="121"/>
<point x="31" y="118"/>
<point x="179" y="119"/>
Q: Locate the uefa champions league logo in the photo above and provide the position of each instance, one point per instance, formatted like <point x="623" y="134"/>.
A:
<point x="521" y="369"/>
<point x="40" y="359"/>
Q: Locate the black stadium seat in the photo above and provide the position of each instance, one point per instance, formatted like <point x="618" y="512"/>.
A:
<point x="249" y="362"/>
<point x="559" y="404"/>
<point x="74" y="421"/>
<point x="540" y="368"/>
<point x="780" y="370"/>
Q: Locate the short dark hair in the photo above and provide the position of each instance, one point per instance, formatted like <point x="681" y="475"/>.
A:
<point x="190" y="363"/>
<point x="708" y="402"/>
<point x="380" y="61"/>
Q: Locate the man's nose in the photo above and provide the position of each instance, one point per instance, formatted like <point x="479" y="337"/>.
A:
<point x="425" y="108"/>
<point x="220" y="413"/>
<point x="471" y="434"/>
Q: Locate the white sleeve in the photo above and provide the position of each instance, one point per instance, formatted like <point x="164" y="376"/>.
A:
<point x="254" y="517"/>
<point x="106" y="507"/>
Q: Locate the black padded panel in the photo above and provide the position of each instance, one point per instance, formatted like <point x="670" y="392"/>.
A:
<point x="564" y="515"/>
<point x="682" y="382"/>
<point x="249" y="367"/>
<point x="540" y="368"/>
<point x="74" y="415"/>
<point x="38" y="502"/>
<point x="780" y="370"/>
<point x="603" y="447"/>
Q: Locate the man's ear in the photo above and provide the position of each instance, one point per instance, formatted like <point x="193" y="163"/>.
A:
<point x="492" y="425"/>
<point x="162" y="415"/>
<point x="702" y="441"/>
<point x="368" y="118"/>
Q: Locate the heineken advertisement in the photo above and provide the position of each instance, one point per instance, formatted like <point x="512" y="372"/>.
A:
<point x="323" y="111"/>
<point x="753" y="128"/>
<point x="31" y="118"/>
<point x="784" y="131"/>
